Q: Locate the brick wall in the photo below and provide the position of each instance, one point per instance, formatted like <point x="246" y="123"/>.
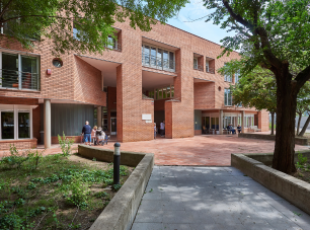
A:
<point x="19" y="144"/>
<point x="204" y="95"/>
<point x="263" y="120"/>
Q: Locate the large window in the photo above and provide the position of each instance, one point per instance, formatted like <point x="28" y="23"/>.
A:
<point x="19" y="71"/>
<point x="237" y="75"/>
<point x="16" y="122"/>
<point x="227" y="97"/>
<point x="228" y="77"/>
<point x="162" y="92"/>
<point x="157" y="58"/>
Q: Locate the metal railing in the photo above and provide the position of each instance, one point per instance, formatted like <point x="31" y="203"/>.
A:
<point x="19" y="80"/>
<point x="116" y="46"/>
<point x="158" y="63"/>
<point x="210" y="70"/>
<point x="198" y="67"/>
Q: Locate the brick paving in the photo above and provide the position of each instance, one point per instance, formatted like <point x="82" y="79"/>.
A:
<point x="204" y="150"/>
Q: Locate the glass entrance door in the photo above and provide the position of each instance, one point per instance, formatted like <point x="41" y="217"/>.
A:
<point x="113" y="126"/>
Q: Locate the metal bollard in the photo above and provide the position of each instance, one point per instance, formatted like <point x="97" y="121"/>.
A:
<point x="117" y="155"/>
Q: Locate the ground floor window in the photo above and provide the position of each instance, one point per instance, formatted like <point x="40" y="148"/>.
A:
<point x="16" y="122"/>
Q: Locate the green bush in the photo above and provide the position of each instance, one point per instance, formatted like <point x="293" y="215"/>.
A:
<point x="15" y="159"/>
<point x="302" y="160"/>
<point x="65" y="144"/>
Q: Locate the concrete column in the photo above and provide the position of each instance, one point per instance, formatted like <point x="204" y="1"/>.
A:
<point x="99" y="113"/>
<point x="47" y="124"/>
<point x="221" y="122"/>
<point x="242" y="121"/>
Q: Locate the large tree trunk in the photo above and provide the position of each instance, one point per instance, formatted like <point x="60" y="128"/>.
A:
<point x="302" y="132"/>
<point x="298" y="124"/>
<point x="272" y="123"/>
<point x="283" y="159"/>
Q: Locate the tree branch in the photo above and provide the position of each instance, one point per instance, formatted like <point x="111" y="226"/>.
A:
<point x="5" y="7"/>
<point x="302" y="77"/>
<point x="25" y="16"/>
<point x="237" y="17"/>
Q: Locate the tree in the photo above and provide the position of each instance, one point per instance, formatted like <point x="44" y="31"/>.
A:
<point x="56" y="19"/>
<point x="303" y="105"/>
<point x="275" y="36"/>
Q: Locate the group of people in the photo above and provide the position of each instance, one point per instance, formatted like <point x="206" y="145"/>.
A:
<point x="161" y="129"/>
<point x="96" y="134"/>
<point x="230" y="129"/>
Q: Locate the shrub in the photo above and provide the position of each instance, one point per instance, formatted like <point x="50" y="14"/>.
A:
<point x="302" y="160"/>
<point x="15" y="160"/>
<point x="65" y="144"/>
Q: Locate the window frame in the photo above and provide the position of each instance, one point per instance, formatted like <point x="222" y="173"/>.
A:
<point x="20" y="55"/>
<point x="16" y="109"/>
<point x="162" y="65"/>
<point x="227" y="92"/>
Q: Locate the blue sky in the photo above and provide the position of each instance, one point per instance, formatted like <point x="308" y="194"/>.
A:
<point x="195" y="10"/>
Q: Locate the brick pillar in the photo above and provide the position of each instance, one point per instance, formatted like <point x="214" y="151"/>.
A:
<point x="221" y="122"/>
<point x="168" y="119"/>
<point x="47" y="124"/>
<point x="242" y="121"/>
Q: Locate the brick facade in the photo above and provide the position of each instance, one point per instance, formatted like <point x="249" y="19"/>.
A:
<point x="77" y="81"/>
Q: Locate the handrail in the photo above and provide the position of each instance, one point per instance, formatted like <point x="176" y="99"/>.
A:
<point x="19" y="80"/>
<point x="210" y="70"/>
<point x="198" y="67"/>
<point x="158" y="63"/>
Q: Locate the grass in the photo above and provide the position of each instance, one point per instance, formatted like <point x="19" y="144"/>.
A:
<point x="54" y="192"/>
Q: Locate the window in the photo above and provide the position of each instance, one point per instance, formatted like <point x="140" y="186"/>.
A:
<point x="237" y="75"/>
<point x="11" y="27"/>
<point x="162" y="93"/>
<point x="112" y="43"/>
<point x="157" y="58"/>
<point x="207" y="66"/>
<point x="227" y="97"/>
<point x="195" y="63"/>
<point x="16" y="122"/>
<point x="227" y="77"/>
<point x="19" y="71"/>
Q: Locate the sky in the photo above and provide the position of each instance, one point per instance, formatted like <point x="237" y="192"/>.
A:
<point x="186" y="20"/>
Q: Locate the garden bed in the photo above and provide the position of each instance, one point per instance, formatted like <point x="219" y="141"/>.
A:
<point x="54" y="192"/>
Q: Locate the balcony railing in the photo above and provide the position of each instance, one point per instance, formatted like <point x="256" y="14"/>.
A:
<point x="19" y="80"/>
<point x="116" y="46"/>
<point x="210" y="70"/>
<point x="198" y="67"/>
<point x="158" y="63"/>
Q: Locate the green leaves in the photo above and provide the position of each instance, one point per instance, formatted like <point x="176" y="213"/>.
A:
<point x="25" y="20"/>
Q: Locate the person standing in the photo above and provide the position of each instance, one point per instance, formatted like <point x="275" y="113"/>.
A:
<point x="87" y="133"/>
<point x="162" y="128"/>
<point x="154" y="130"/>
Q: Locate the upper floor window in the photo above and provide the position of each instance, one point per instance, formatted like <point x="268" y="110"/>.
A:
<point x="195" y="63"/>
<point x="10" y="27"/>
<point x="227" y="97"/>
<point x="237" y="75"/>
<point x="228" y="77"/>
<point x="162" y="92"/>
<point x="19" y="71"/>
<point x="207" y="66"/>
<point x="157" y="58"/>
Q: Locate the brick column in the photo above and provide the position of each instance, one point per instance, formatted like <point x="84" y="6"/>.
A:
<point x="47" y="124"/>
<point x="221" y="122"/>
<point x="242" y="121"/>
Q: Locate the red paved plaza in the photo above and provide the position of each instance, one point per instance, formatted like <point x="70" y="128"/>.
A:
<point x="205" y="150"/>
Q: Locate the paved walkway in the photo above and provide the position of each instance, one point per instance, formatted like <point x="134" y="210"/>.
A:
<point x="198" y="198"/>
<point x="204" y="150"/>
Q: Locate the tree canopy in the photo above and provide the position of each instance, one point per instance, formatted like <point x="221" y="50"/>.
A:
<point x="273" y="35"/>
<point x="25" y="20"/>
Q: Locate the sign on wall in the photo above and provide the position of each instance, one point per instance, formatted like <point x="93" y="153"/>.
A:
<point x="147" y="118"/>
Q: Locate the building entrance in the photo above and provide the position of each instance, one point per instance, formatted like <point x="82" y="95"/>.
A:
<point x="113" y="126"/>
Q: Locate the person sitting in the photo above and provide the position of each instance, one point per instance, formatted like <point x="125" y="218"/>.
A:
<point x="239" y="128"/>
<point x="204" y="130"/>
<point x="228" y="129"/>
<point x="100" y="135"/>
<point x="233" y="131"/>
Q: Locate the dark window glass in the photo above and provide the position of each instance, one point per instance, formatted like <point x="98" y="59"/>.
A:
<point x="7" y="125"/>
<point x="23" y="125"/>
<point x="171" y="60"/>
<point x="9" y="70"/>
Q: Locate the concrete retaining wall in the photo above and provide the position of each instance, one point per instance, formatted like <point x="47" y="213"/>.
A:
<point x="298" y="140"/>
<point x="292" y="189"/>
<point x="121" y="211"/>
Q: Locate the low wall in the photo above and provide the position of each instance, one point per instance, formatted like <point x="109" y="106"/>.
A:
<point x="121" y="211"/>
<point x="298" y="140"/>
<point x="77" y="139"/>
<point x="19" y="144"/>
<point x="292" y="189"/>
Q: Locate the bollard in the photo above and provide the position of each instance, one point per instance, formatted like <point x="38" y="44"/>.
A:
<point x="117" y="156"/>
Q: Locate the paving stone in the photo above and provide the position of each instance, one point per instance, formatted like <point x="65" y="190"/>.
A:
<point x="149" y="216"/>
<point x="147" y="226"/>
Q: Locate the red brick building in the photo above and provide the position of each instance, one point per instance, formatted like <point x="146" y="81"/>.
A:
<point x="145" y="77"/>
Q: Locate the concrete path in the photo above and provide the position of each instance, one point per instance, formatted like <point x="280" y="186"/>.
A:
<point x="198" y="198"/>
